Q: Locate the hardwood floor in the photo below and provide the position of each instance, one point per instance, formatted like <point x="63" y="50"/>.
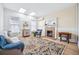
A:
<point x="70" y="49"/>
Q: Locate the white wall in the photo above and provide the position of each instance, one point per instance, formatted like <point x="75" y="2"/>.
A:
<point x="78" y="25"/>
<point x="1" y="18"/>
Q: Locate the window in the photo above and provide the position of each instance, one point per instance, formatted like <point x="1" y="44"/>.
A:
<point x="33" y="25"/>
<point x="14" y="24"/>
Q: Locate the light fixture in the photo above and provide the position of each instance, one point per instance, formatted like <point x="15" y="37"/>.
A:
<point x="32" y="14"/>
<point x="21" y="10"/>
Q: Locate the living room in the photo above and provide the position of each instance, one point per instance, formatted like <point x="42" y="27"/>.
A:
<point x="43" y="28"/>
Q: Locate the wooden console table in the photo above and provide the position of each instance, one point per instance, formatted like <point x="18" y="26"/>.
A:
<point x="66" y="34"/>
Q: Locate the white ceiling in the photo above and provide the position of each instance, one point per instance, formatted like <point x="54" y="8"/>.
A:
<point x="41" y="9"/>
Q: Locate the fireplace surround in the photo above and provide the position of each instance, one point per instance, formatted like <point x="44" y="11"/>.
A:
<point x="51" y="27"/>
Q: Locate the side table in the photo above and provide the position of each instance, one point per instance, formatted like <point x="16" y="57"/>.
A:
<point x="67" y="34"/>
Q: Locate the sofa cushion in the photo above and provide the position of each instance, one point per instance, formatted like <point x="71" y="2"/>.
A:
<point x="2" y="41"/>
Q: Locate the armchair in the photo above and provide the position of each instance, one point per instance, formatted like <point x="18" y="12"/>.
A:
<point x="38" y="33"/>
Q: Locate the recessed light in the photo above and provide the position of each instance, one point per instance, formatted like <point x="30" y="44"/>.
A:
<point x="21" y="10"/>
<point x="32" y="14"/>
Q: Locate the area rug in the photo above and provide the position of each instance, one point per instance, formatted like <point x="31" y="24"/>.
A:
<point x="43" y="47"/>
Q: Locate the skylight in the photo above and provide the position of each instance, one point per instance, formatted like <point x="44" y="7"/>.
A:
<point x="32" y="14"/>
<point x="21" y="10"/>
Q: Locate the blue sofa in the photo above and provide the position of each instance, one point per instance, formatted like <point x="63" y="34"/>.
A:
<point x="7" y="46"/>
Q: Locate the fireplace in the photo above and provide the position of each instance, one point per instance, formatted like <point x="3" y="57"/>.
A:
<point x="49" y="33"/>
